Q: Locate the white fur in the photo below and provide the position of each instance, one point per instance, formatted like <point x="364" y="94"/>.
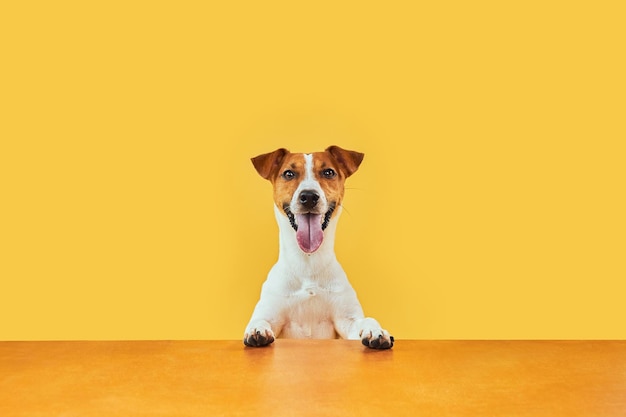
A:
<point x="309" y="183"/>
<point x="308" y="295"/>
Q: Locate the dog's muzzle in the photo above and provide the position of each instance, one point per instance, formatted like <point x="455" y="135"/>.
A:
<point x="292" y="217"/>
<point x="309" y="226"/>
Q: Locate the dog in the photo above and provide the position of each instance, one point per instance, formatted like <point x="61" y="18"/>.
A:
<point x="306" y="293"/>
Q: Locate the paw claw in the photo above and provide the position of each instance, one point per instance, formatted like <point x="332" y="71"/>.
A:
<point x="380" y="342"/>
<point x="257" y="339"/>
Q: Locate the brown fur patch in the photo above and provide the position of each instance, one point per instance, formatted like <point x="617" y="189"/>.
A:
<point x="273" y="165"/>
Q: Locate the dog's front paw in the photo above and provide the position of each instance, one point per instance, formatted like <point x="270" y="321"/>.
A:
<point x="257" y="337"/>
<point x="377" y="339"/>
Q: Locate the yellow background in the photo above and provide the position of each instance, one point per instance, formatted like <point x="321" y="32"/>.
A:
<point x="490" y="203"/>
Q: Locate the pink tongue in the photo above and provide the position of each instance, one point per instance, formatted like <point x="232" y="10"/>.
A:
<point x="309" y="234"/>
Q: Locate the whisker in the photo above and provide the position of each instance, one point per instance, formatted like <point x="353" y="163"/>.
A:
<point x="343" y="208"/>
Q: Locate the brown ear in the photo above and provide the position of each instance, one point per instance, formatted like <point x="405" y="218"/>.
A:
<point x="349" y="161"/>
<point x="268" y="163"/>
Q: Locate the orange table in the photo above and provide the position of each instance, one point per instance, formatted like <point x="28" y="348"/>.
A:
<point x="313" y="377"/>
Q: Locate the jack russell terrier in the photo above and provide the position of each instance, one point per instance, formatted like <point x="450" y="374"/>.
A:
<point x="307" y="293"/>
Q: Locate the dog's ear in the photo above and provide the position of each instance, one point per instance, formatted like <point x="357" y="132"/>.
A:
<point x="349" y="161"/>
<point x="268" y="163"/>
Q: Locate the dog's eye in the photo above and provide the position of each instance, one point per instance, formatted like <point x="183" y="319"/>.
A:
<point x="289" y="175"/>
<point x="329" y="173"/>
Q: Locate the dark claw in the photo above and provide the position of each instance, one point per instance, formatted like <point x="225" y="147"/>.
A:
<point x="257" y="340"/>
<point x="379" y="343"/>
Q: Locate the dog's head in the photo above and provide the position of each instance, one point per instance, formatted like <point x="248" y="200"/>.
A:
<point x="308" y="188"/>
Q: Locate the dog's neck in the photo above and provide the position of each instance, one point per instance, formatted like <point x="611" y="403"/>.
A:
<point x="291" y="254"/>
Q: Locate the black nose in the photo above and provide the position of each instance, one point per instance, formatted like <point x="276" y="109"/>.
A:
<point x="309" y="198"/>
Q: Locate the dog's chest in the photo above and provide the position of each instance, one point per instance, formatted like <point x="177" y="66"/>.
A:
<point x="307" y="290"/>
<point x="308" y="312"/>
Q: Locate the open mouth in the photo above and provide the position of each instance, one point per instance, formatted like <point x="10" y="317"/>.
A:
<point x="309" y="227"/>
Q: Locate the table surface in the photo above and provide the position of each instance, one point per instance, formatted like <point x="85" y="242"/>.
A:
<point x="313" y="377"/>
